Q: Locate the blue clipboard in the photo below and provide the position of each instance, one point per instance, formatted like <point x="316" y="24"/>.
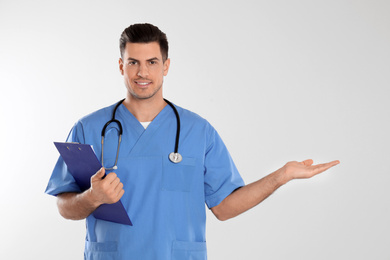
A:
<point x="82" y="164"/>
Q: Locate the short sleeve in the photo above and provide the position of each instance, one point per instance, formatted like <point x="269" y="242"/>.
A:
<point x="61" y="180"/>
<point x="221" y="174"/>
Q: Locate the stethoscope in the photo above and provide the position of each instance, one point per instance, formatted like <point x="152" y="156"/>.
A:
<point x="175" y="157"/>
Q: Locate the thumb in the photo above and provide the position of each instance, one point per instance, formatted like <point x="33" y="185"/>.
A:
<point x="99" y="174"/>
<point x="308" y="162"/>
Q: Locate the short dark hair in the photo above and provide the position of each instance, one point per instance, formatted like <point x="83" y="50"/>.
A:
<point x="144" y="33"/>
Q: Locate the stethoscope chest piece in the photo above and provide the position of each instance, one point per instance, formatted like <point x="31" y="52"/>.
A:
<point x="175" y="157"/>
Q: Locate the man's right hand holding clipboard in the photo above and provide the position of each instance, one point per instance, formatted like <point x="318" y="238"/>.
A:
<point x="105" y="189"/>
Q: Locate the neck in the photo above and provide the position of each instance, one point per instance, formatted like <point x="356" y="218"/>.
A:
<point x="145" y="110"/>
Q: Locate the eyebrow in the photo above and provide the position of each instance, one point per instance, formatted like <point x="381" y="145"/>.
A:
<point x="151" y="59"/>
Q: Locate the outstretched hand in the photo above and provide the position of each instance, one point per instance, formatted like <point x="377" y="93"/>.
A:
<point x="306" y="169"/>
<point x="252" y="194"/>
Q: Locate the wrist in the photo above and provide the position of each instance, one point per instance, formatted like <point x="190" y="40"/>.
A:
<point x="282" y="176"/>
<point x="91" y="199"/>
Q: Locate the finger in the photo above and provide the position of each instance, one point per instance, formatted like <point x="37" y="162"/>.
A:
<point x="99" y="174"/>
<point x="335" y="162"/>
<point x="325" y="166"/>
<point x="120" y="194"/>
<point x="110" y="177"/>
<point x="115" y="182"/>
<point x="117" y="193"/>
<point x="119" y="187"/>
<point x="307" y="162"/>
<point x="329" y="164"/>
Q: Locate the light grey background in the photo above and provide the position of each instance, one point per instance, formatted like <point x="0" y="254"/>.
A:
<point x="280" y="80"/>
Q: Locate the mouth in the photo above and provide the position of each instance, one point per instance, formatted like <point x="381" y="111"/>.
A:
<point x="143" y="83"/>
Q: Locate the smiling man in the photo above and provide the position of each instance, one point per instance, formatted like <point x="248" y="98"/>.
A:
<point x="143" y="78"/>
<point x="143" y="67"/>
<point x="164" y="197"/>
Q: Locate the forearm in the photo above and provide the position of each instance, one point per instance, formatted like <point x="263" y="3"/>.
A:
<point x="252" y="194"/>
<point x="76" y="206"/>
<point x="249" y="196"/>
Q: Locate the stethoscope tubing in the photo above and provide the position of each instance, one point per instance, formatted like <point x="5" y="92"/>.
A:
<point x="113" y="120"/>
<point x="175" y="157"/>
<point x="178" y="125"/>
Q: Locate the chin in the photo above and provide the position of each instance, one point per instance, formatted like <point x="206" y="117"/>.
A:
<point x="142" y="96"/>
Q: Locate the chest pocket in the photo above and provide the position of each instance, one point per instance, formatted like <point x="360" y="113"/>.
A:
<point x="178" y="176"/>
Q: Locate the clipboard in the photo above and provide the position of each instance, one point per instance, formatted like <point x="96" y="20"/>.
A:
<point x="82" y="164"/>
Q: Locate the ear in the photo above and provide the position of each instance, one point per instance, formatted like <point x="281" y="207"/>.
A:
<point x="121" y="66"/>
<point x="166" y="66"/>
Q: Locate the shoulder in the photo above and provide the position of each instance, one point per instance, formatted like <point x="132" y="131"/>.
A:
<point x="91" y="123"/>
<point x="102" y="115"/>
<point x="192" y="118"/>
<point x="196" y="126"/>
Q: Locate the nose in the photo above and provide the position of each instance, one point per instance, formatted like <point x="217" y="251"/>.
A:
<point x="143" y="71"/>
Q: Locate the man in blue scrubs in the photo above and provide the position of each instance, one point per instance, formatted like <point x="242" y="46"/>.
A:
<point x="164" y="200"/>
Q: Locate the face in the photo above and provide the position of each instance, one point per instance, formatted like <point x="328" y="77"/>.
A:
<point x="143" y="70"/>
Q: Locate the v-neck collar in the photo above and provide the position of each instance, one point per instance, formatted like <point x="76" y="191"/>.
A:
<point x="137" y="124"/>
<point x="142" y="135"/>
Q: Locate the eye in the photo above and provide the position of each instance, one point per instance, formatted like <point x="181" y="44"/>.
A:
<point x="131" y="63"/>
<point x="152" y="62"/>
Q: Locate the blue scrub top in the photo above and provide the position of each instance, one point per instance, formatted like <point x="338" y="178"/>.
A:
<point x="165" y="201"/>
